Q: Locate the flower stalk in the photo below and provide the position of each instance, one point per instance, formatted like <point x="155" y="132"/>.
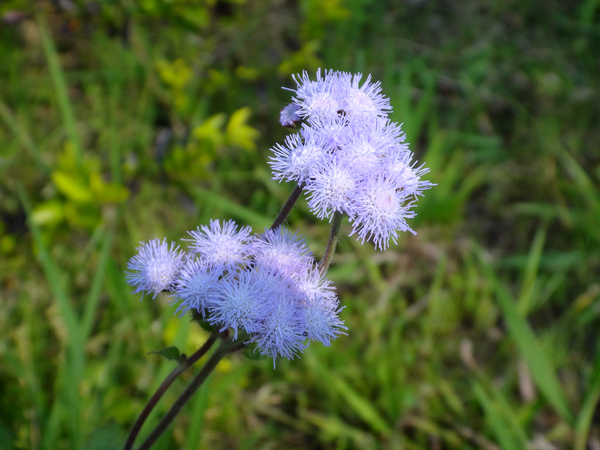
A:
<point x="350" y="159"/>
<point x="224" y="349"/>
<point x="182" y="367"/>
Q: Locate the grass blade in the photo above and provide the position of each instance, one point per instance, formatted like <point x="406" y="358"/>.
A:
<point x="588" y="408"/>
<point x="527" y="343"/>
<point x="95" y="289"/>
<point x="60" y="87"/>
<point x="497" y="421"/>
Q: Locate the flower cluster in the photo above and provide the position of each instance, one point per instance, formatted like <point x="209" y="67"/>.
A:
<point x="349" y="157"/>
<point x="265" y="286"/>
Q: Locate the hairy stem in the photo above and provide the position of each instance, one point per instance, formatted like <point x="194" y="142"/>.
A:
<point x="225" y="348"/>
<point x="287" y="207"/>
<point x="334" y="236"/>
<point x="182" y="367"/>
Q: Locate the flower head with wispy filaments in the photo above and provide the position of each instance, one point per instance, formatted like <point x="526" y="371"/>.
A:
<point x="221" y="245"/>
<point x="239" y="302"/>
<point x="381" y="211"/>
<point x="281" y="251"/>
<point x="196" y="284"/>
<point x="260" y="286"/>
<point x="155" y="268"/>
<point x="322" y="321"/>
<point x="282" y="332"/>
<point x="350" y="157"/>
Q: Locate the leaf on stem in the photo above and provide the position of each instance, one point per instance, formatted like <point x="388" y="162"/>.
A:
<point x="171" y="353"/>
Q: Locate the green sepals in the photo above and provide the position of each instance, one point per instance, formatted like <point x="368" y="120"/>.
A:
<point x="171" y="353"/>
<point x="250" y="353"/>
<point x="206" y="326"/>
<point x="201" y="320"/>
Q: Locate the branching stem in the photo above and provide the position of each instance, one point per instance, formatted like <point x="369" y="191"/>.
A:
<point x="334" y="236"/>
<point x="287" y="207"/>
<point x="182" y="367"/>
<point x="225" y="348"/>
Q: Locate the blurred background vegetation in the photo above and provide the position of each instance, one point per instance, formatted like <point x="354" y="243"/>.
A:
<point x="121" y="121"/>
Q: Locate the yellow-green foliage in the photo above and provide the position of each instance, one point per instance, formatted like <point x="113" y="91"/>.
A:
<point x="79" y="193"/>
<point x="214" y="138"/>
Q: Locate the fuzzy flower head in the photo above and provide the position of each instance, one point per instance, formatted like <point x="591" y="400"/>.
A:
<point x="363" y="101"/>
<point x="195" y="286"/>
<point x="332" y="188"/>
<point x="381" y="211"/>
<point x="282" y="332"/>
<point x="221" y="245"/>
<point x="239" y="302"/>
<point x="298" y="158"/>
<point x="155" y="268"/>
<point x="266" y="288"/>
<point x="349" y="157"/>
<point x="322" y="321"/>
<point x="281" y="251"/>
<point x="317" y="98"/>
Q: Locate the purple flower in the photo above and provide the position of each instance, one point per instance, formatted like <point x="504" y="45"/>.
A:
<point x="239" y="302"/>
<point x="332" y="187"/>
<point x="281" y="251"/>
<point x="350" y="157"/>
<point x="221" y="245"/>
<point x="381" y="210"/>
<point x="317" y="98"/>
<point x="196" y="284"/>
<point x="155" y="267"/>
<point x="266" y="288"/>
<point x="322" y="322"/>
<point x="289" y="116"/>
<point x="312" y="285"/>
<point x="281" y="332"/>
<point x="362" y="101"/>
<point x="297" y="160"/>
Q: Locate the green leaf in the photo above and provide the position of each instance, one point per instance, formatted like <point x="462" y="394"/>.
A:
<point x="210" y="131"/>
<point x="205" y="325"/>
<point x="72" y="187"/>
<point x="50" y="212"/>
<point x="249" y="353"/>
<point x="238" y="131"/>
<point x="171" y="353"/>
<point x="107" y="192"/>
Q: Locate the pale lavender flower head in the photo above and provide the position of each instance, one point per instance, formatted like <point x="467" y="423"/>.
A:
<point x="381" y="211"/>
<point x="280" y="251"/>
<point x="299" y="157"/>
<point x="196" y="284"/>
<point x="239" y="302"/>
<point x="313" y="285"/>
<point x="350" y="157"/>
<point x="282" y="331"/>
<point x="266" y="288"/>
<point x="288" y="117"/>
<point x="317" y="98"/>
<point x="361" y="101"/>
<point x="221" y="245"/>
<point x="155" y="267"/>
<point x="332" y="187"/>
<point x="322" y="321"/>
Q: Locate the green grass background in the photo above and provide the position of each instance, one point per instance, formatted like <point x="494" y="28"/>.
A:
<point x="125" y="121"/>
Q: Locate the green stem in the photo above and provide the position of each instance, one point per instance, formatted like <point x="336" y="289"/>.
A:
<point x="287" y="207"/>
<point x="137" y="426"/>
<point x="224" y="349"/>
<point x="334" y="236"/>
